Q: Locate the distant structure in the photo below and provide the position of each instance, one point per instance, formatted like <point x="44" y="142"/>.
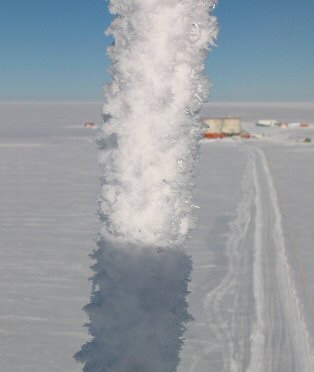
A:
<point x="283" y="125"/>
<point x="273" y="123"/>
<point x="268" y="123"/>
<point x="222" y="127"/>
<point x="90" y="125"/>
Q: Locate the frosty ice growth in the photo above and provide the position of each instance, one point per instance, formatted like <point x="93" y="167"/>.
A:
<point x="149" y="140"/>
<point x="148" y="149"/>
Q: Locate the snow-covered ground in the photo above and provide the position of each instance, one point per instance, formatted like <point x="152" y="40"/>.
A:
<point x="48" y="227"/>
<point x="252" y="286"/>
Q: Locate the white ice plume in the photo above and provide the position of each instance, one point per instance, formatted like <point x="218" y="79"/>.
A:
<point x="148" y="149"/>
<point x="149" y="140"/>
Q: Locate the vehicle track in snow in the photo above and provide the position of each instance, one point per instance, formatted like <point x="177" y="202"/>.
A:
<point x="230" y="304"/>
<point x="280" y="340"/>
<point x="254" y="313"/>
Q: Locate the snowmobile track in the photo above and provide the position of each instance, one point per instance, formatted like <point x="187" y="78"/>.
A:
<point x="254" y="313"/>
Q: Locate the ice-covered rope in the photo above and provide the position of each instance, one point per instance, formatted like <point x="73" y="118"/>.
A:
<point x="148" y="149"/>
<point x="149" y="140"/>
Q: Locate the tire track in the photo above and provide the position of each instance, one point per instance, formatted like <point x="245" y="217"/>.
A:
<point x="254" y="314"/>
<point x="228" y="305"/>
<point x="280" y="340"/>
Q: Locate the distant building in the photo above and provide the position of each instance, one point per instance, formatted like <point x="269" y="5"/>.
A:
<point x="90" y="125"/>
<point x="268" y="123"/>
<point x="221" y="127"/>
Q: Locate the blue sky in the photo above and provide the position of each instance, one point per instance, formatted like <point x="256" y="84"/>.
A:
<point x="265" y="51"/>
<point x="55" y="50"/>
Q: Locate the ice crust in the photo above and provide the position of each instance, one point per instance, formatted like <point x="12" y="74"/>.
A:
<point x="149" y="138"/>
<point x="138" y="310"/>
<point x="148" y="149"/>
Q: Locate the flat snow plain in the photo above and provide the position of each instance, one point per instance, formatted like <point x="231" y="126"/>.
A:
<point x="252" y="286"/>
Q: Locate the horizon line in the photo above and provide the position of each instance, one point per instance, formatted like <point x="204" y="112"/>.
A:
<point x="208" y="102"/>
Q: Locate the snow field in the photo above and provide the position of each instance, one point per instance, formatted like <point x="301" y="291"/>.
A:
<point x="48" y="226"/>
<point x="262" y="322"/>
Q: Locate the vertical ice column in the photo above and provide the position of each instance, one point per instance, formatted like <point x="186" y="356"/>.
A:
<point x="149" y="140"/>
<point x="148" y="149"/>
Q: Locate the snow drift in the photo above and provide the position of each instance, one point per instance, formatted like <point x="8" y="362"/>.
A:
<point x="148" y="148"/>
